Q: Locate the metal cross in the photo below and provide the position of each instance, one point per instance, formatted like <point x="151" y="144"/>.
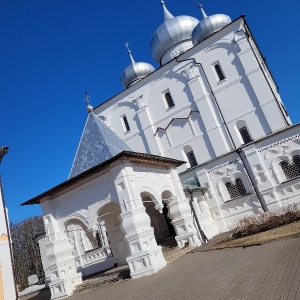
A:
<point x="87" y="98"/>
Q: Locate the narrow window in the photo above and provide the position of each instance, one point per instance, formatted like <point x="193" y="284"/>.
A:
<point x="99" y="244"/>
<point x="219" y="72"/>
<point x="236" y="190"/>
<point x="125" y="124"/>
<point x="291" y="170"/>
<point x="191" y="158"/>
<point x="169" y="100"/>
<point x="245" y="135"/>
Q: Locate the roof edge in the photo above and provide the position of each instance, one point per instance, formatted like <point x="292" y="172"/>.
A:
<point x="135" y="157"/>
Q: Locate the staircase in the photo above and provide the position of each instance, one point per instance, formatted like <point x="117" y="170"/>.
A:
<point x="99" y="280"/>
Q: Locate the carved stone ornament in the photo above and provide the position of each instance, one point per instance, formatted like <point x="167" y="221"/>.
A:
<point x="190" y="72"/>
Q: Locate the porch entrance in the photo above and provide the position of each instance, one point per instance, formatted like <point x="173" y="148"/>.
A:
<point x="161" y="222"/>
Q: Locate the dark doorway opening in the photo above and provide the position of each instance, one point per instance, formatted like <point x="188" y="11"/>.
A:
<point x="168" y="220"/>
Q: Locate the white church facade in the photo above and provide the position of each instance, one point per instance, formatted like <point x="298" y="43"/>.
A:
<point x="211" y="114"/>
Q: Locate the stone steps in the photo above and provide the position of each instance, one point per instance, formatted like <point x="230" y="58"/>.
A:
<point x="119" y="274"/>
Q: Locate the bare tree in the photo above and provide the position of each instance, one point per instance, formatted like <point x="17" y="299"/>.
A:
<point x="26" y="254"/>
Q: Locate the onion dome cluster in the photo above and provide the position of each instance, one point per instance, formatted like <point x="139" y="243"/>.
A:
<point x="173" y="37"/>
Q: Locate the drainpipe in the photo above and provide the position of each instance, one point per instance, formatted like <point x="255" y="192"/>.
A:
<point x="259" y="197"/>
<point x="203" y="237"/>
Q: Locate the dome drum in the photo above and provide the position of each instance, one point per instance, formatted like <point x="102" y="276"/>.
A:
<point x="176" y="51"/>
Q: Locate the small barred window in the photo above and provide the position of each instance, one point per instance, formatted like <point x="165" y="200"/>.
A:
<point x="219" y="72"/>
<point x="245" y="135"/>
<point x="191" y="158"/>
<point x="169" y="100"/>
<point x="236" y="190"/>
<point x="291" y="170"/>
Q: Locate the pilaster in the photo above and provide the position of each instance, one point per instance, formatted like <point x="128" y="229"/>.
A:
<point x="214" y="127"/>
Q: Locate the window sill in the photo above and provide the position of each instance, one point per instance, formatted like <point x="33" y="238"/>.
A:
<point x="222" y="81"/>
<point x="289" y="180"/>
<point x="127" y="132"/>
<point x="236" y="198"/>
<point x="247" y="143"/>
<point x="169" y="108"/>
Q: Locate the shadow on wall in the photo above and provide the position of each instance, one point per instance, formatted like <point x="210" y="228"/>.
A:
<point x="44" y="294"/>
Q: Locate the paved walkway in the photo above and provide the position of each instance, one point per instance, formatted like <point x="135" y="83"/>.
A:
<point x="270" y="271"/>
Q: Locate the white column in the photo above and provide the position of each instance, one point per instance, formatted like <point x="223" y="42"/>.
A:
<point x="64" y="276"/>
<point x="181" y="213"/>
<point x="146" y="256"/>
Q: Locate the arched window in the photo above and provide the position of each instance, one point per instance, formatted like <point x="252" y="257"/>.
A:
<point x="125" y="123"/>
<point x="245" y="135"/>
<point x="291" y="170"/>
<point x="191" y="158"/>
<point x="219" y="72"/>
<point x="236" y="190"/>
<point x="188" y="150"/>
<point x="169" y="100"/>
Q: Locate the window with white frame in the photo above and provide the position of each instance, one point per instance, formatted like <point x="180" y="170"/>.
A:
<point x="245" y="135"/>
<point x="190" y="156"/>
<point x="219" y="72"/>
<point x="169" y="100"/>
<point x="125" y="123"/>
<point x="291" y="170"/>
<point x="236" y="189"/>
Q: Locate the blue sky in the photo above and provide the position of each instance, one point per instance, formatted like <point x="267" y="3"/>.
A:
<point x="52" y="51"/>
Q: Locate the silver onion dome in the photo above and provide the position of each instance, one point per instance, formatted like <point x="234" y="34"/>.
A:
<point x="209" y="25"/>
<point x="173" y="37"/>
<point x="135" y="72"/>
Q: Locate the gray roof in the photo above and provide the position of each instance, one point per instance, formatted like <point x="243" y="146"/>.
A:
<point x="98" y="143"/>
<point x="133" y="157"/>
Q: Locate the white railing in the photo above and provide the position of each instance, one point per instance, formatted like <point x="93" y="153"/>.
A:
<point x="93" y="256"/>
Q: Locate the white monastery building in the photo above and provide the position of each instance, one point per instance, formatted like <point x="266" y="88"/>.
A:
<point x="210" y="118"/>
<point x="7" y="283"/>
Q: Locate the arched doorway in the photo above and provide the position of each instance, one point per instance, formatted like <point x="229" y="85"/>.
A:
<point x="108" y="217"/>
<point x="79" y="237"/>
<point x="160" y="220"/>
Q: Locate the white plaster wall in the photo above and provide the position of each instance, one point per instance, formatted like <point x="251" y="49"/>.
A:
<point x="5" y="260"/>
<point x="86" y="200"/>
<point x="245" y="95"/>
<point x="43" y="241"/>
<point x="265" y="157"/>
